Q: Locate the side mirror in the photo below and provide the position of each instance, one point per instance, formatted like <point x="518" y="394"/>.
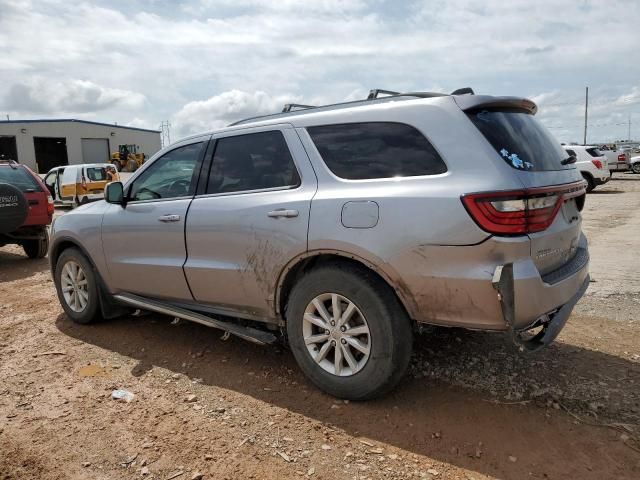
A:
<point x="114" y="193"/>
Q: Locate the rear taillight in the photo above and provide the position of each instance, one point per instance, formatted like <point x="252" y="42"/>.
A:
<point x="518" y="212"/>
<point x="597" y="163"/>
<point x="50" y="205"/>
<point x="622" y="157"/>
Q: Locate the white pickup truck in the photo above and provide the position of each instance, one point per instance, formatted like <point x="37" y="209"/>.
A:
<point x="618" y="160"/>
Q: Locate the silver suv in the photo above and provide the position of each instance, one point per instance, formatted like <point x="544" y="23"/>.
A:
<point x="340" y="228"/>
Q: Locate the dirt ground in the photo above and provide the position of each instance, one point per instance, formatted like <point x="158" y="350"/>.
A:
<point x="472" y="406"/>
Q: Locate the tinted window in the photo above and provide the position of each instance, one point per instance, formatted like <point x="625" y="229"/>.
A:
<point x="594" y="152"/>
<point x="571" y="152"/>
<point x="520" y="140"/>
<point x="19" y="178"/>
<point x="252" y="162"/>
<point x="170" y="176"/>
<point x="358" y="151"/>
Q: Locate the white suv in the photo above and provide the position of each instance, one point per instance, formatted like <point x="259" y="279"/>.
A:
<point x="592" y="164"/>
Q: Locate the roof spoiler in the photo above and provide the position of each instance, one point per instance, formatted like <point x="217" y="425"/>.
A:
<point x="476" y="102"/>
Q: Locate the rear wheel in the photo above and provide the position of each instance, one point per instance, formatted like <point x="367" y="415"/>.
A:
<point x="77" y="287"/>
<point x="590" y="183"/>
<point x="635" y="168"/>
<point x="348" y="332"/>
<point x="37" y="248"/>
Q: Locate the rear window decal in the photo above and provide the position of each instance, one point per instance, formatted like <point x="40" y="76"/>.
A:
<point x="516" y="161"/>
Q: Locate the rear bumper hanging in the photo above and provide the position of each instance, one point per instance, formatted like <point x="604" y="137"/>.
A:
<point x="550" y="323"/>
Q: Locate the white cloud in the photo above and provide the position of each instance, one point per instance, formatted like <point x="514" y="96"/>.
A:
<point x="40" y="95"/>
<point x="326" y="50"/>
<point x="220" y="110"/>
<point x="631" y="98"/>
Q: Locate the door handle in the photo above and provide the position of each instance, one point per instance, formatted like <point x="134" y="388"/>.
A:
<point x="169" y="218"/>
<point x="283" y="212"/>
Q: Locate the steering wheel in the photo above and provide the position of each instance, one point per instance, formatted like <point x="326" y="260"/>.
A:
<point x="179" y="187"/>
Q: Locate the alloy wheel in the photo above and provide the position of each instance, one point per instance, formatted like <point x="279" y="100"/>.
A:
<point x="74" y="286"/>
<point x="336" y="334"/>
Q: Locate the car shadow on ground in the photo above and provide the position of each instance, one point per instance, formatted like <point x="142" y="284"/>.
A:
<point x="15" y="265"/>
<point x="468" y="394"/>
<point x="627" y="177"/>
<point x="605" y="192"/>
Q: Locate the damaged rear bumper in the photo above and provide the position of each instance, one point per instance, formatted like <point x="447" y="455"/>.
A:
<point x="544" y="329"/>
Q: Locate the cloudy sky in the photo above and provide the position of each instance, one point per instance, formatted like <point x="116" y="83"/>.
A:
<point x="201" y="64"/>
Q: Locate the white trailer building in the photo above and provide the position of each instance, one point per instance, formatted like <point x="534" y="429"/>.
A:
<point x="44" y="144"/>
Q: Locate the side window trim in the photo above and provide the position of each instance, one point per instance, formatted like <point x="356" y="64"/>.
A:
<point x="194" y="176"/>
<point x="211" y="151"/>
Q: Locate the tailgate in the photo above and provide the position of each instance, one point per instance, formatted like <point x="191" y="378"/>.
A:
<point x="538" y="161"/>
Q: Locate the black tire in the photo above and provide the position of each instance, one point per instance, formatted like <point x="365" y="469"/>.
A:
<point x="37" y="248"/>
<point x="132" y="166"/>
<point x="391" y="335"/>
<point x="635" y="168"/>
<point x="590" y="183"/>
<point x="91" y="312"/>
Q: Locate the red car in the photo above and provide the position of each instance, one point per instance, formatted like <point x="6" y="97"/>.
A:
<point x="26" y="208"/>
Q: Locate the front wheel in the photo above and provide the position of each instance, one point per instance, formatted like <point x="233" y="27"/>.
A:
<point x="348" y="332"/>
<point x="77" y="287"/>
<point x="635" y="168"/>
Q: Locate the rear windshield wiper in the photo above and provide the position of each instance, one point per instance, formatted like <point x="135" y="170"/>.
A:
<point x="569" y="160"/>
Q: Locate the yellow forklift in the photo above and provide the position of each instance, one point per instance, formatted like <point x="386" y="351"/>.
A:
<point x="128" y="158"/>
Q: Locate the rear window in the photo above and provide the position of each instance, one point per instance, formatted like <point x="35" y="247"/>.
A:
<point x="358" y="151"/>
<point x="594" y="152"/>
<point x="20" y="178"/>
<point x="520" y="140"/>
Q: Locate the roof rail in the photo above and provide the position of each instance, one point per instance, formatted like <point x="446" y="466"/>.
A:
<point x="463" y="91"/>
<point x="373" y="96"/>
<point x="12" y="163"/>
<point x="289" y="106"/>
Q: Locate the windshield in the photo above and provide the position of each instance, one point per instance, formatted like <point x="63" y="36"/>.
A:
<point x="20" y="178"/>
<point x="520" y="140"/>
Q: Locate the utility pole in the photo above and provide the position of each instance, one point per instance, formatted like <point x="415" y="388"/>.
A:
<point x="629" y="129"/>
<point x="165" y="135"/>
<point x="586" y="107"/>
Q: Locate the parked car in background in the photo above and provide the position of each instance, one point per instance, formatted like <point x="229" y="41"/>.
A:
<point x="26" y="208"/>
<point x="634" y="163"/>
<point x="618" y="161"/>
<point x="592" y="164"/>
<point x="344" y="226"/>
<point x="74" y="185"/>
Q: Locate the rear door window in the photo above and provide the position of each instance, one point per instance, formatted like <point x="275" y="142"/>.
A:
<point x="96" y="174"/>
<point x="254" y="161"/>
<point x="19" y="178"/>
<point x="358" y="151"/>
<point x="520" y="139"/>
<point x="594" y="152"/>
